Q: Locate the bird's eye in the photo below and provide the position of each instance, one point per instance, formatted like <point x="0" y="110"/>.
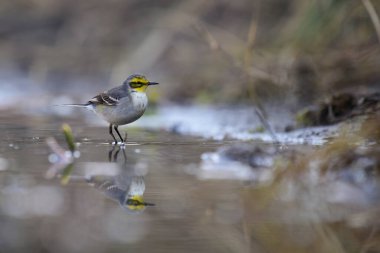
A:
<point x="132" y="202"/>
<point x="136" y="84"/>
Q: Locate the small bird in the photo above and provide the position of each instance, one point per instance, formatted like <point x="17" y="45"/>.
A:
<point x="126" y="187"/>
<point x="121" y="105"/>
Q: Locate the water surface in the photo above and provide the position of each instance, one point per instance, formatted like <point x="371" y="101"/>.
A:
<point x="39" y="214"/>
<point x="45" y="209"/>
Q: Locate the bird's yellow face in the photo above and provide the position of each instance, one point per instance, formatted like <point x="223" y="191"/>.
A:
<point x="136" y="203"/>
<point x="139" y="83"/>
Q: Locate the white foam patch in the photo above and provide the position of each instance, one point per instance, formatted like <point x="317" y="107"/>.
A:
<point x="230" y="123"/>
<point x="217" y="167"/>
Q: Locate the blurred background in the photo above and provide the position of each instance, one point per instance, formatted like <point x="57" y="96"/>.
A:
<point x="214" y="60"/>
<point x="217" y="52"/>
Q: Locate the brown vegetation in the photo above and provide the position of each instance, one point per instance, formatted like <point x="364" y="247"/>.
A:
<point x="268" y="49"/>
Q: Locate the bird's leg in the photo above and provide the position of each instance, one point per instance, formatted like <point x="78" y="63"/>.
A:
<point x="116" y="154"/>
<point x="110" y="153"/>
<point x="118" y="133"/>
<point x="125" y="138"/>
<point x="124" y="155"/>
<point x="113" y="136"/>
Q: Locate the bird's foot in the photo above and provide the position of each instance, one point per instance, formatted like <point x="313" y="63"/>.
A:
<point x="119" y="143"/>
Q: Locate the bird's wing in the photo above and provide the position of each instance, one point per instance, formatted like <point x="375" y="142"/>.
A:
<point x="108" y="187"/>
<point x="110" y="98"/>
<point x="104" y="99"/>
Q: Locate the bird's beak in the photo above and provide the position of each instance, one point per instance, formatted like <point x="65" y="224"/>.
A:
<point x="148" y="204"/>
<point x="152" y="83"/>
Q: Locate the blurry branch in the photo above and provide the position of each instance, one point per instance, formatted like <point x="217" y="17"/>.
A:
<point x="215" y="46"/>
<point x="61" y="159"/>
<point x="251" y="38"/>
<point x="373" y="15"/>
<point x="248" y="59"/>
<point x="243" y="68"/>
<point x="57" y="149"/>
<point x="370" y="242"/>
<point x="248" y="62"/>
<point x="156" y="42"/>
<point x="315" y="25"/>
<point x="252" y="71"/>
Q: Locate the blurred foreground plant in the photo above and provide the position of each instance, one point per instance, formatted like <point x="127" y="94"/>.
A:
<point x="322" y="200"/>
<point x="62" y="160"/>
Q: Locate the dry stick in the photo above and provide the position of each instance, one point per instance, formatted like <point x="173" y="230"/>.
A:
<point x="251" y="38"/>
<point x="373" y="15"/>
<point x="368" y="244"/>
<point x="215" y="46"/>
<point x="252" y="71"/>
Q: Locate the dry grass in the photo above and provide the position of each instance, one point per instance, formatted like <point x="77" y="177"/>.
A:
<point x="317" y="202"/>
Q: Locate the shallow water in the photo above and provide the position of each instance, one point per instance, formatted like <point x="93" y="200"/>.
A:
<point x="39" y="214"/>
<point x="45" y="209"/>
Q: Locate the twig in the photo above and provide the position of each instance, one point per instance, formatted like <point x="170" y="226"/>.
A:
<point x="266" y="125"/>
<point x="373" y="15"/>
<point x="368" y="244"/>
<point x="251" y="38"/>
<point x="215" y="46"/>
<point x="243" y="68"/>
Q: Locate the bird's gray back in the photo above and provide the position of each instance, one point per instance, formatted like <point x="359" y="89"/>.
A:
<point x="118" y="92"/>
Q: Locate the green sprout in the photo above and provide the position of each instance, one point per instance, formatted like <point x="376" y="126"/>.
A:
<point x="69" y="137"/>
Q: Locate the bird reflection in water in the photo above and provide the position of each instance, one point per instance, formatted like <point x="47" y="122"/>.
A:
<point x="127" y="187"/>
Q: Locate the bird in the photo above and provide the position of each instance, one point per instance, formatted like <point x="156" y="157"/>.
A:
<point x="121" y="105"/>
<point x="126" y="187"/>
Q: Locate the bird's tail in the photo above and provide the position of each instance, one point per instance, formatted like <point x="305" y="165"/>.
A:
<point x="75" y="105"/>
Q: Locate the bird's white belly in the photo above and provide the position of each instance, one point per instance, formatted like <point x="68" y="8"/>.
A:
<point x="140" y="101"/>
<point x="125" y="113"/>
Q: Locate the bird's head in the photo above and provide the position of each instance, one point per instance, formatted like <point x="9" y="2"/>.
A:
<point x="135" y="204"/>
<point x="138" y="83"/>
